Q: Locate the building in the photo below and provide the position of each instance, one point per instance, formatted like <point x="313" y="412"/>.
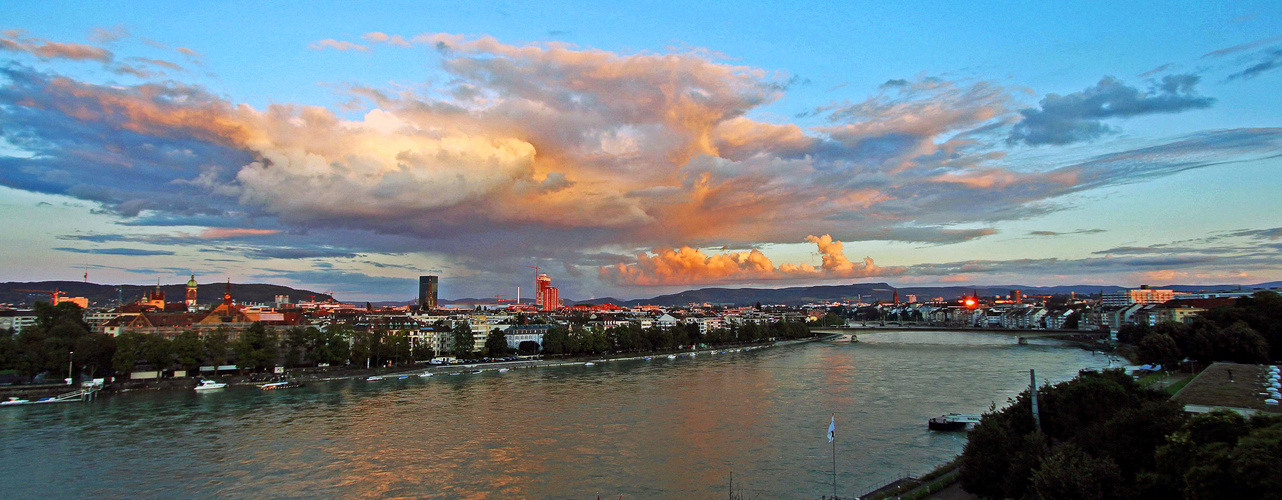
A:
<point x="427" y="290"/>
<point x="547" y="298"/>
<point x="16" y="320"/>
<point x="191" y="294"/>
<point x="1141" y="295"/>
<point x="516" y="334"/>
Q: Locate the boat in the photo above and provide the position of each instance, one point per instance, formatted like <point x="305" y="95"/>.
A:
<point x="209" y="385"/>
<point x="402" y="377"/>
<point x="672" y="356"/>
<point x="854" y="338"/>
<point x="1022" y="341"/>
<point x="425" y="374"/>
<point x="14" y="401"/>
<point x="952" y="422"/>
<point x="275" y="386"/>
<point x="647" y="358"/>
<point x="589" y="363"/>
<point x="373" y="378"/>
<point x="502" y="370"/>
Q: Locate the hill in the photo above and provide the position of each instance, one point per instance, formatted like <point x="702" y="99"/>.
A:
<point x="105" y="295"/>
<point x="882" y="291"/>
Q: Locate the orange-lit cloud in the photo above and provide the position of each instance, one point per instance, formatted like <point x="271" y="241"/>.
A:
<point x="572" y="152"/>
<point x="13" y="40"/>
<point x="689" y="266"/>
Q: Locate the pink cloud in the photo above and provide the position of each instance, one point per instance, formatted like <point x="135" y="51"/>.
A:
<point x="330" y="43"/>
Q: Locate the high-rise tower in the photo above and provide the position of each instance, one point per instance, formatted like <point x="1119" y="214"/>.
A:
<point x="427" y="288"/>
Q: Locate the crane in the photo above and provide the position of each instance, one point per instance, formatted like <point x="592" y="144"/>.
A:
<point x="53" y="294"/>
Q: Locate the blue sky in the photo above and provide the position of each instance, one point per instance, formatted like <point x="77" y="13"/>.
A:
<point x="639" y="149"/>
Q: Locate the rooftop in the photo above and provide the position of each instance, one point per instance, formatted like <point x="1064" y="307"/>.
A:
<point x="1227" y="385"/>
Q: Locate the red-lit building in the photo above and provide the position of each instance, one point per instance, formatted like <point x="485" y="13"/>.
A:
<point x="546" y="296"/>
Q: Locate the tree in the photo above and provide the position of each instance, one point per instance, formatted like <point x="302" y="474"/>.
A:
<point x="256" y="347"/>
<point x="1240" y="343"/>
<point x="295" y="347"/>
<point x="1071" y="474"/>
<point x="495" y="343"/>
<point x="1255" y="463"/>
<point x="158" y="351"/>
<point x="556" y="340"/>
<point x="330" y="346"/>
<point x="189" y="350"/>
<point x="1132" y="333"/>
<point x="1159" y="349"/>
<point x="461" y="341"/>
<point x="216" y="346"/>
<point x="128" y="349"/>
<point x="528" y="347"/>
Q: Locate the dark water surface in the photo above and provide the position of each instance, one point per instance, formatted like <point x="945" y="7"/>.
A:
<point x="642" y="429"/>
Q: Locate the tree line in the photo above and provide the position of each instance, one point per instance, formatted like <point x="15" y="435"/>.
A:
<point x="1102" y="437"/>
<point x="1248" y="331"/>
<point x="61" y="331"/>
<point x="631" y="337"/>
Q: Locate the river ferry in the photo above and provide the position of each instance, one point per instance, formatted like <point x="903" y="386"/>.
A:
<point x="952" y="422"/>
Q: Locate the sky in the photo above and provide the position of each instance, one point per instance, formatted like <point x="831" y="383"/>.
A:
<point x="640" y="149"/>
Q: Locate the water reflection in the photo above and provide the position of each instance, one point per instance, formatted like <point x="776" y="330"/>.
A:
<point x="659" y="428"/>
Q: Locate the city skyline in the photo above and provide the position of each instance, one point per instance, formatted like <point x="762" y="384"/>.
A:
<point x="631" y="151"/>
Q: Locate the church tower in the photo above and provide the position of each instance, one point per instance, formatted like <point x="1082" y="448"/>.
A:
<point x="191" y="293"/>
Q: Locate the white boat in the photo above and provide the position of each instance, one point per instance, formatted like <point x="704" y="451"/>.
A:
<point x="425" y="374"/>
<point x="502" y="370"/>
<point x="672" y="356"/>
<point x="14" y="401"/>
<point x="209" y="385"/>
<point x="275" y="386"/>
<point x="373" y="378"/>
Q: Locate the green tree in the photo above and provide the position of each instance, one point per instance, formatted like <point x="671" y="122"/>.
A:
<point x="496" y="343"/>
<point x="128" y="352"/>
<point x="556" y="340"/>
<point x="461" y="341"/>
<point x="1158" y="348"/>
<point x="332" y="345"/>
<point x="158" y="351"/>
<point x="256" y="348"/>
<point x="1241" y="344"/>
<point x="1071" y="474"/>
<point x="216" y="345"/>
<point x="189" y="350"/>
<point x="294" y="347"/>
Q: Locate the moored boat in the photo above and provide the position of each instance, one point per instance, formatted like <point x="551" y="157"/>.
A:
<point x="280" y="385"/>
<point x="952" y="422"/>
<point x="209" y="385"/>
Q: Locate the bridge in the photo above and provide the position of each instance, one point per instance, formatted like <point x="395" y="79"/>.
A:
<point x="1028" y="334"/>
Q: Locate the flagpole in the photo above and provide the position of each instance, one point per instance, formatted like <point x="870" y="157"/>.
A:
<point x="832" y="435"/>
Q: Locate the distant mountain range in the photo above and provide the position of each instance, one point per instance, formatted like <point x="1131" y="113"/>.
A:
<point x="104" y="295"/>
<point x="208" y="293"/>
<point x="882" y="291"/>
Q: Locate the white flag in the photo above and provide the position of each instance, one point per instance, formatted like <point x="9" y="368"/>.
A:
<point x="832" y="429"/>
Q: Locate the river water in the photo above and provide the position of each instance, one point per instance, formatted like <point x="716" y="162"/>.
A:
<point x="641" y="429"/>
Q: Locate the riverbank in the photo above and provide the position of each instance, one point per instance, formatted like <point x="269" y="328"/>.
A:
<point x="323" y="374"/>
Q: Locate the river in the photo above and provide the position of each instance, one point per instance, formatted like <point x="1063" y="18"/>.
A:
<point x="641" y="429"/>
